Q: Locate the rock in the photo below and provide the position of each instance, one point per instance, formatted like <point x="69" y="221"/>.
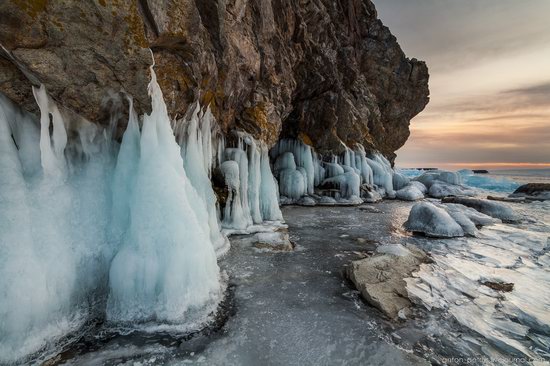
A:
<point x="306" y="201"/>
<point x="468" y="218"/>
<point x="371" y="196"/>
<point x="499" y="286"/>
<point x="380" y="278"/>
<point x="326" y="73"/>
<point x="409" y="193"/>
<point x="370" y="209"/>
<point x="432" y="221"/>
<point x="533" y="191"/>
<point x="277" y="241"/>
<point x="442" y="189"/>
<point x="399" y="181"/>
<point x="507" y="199"/>
<point x="494" y="209"/>
<point x="327" y="201"/>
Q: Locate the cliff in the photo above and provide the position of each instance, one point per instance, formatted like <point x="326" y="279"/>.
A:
<point x="324" y="71"/>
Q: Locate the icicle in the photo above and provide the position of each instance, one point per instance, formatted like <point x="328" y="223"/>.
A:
<point x="269" y="193"/>
<point x="166" y="268"/>
<point x="240" y="156"/>
<point x="196" y="150"/>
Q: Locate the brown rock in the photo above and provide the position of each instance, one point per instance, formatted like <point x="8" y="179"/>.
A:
<point x="324" y="71"/>
<point x="380" y="278"/>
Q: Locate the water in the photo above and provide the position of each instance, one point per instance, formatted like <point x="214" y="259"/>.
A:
<point x="502" y="181"/>
<point x="523" y="176"/>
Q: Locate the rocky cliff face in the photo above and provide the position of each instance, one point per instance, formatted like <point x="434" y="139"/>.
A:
<point x="324" y="71"/>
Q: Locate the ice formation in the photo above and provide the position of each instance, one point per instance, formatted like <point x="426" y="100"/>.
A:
<point x="439" y="189"/>
<point x="433" y="221"/>
<point x="253" y="197"/>
<point x="409" y="192"/>
<point x="430" y="177"/>
<point x="129" y="231"/>
<point x="498" y="210"/>
<point x="458" y="282"/>
<point x="165" y="269"/>
<point x="53" y="225"/>
<point x="382" y="173"/>
<point x="305" y="177"/>
<point x="197" y="150"/>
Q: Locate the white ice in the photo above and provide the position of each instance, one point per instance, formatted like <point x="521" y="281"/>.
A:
<point x="165" y="269"/>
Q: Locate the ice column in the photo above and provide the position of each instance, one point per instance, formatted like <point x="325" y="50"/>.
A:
<point x="197" y="153"/>
<point x="166" y="268"/>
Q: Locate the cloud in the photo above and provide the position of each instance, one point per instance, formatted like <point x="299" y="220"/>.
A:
<point x="449" y="34"/>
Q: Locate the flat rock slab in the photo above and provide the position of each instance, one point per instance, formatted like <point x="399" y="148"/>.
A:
<point x="380" y="278"/>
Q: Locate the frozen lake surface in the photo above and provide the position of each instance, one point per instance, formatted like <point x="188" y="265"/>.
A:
<point x="296" y="308"/>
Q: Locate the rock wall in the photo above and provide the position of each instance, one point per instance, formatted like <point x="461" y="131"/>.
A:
<point x="324" y="71"/>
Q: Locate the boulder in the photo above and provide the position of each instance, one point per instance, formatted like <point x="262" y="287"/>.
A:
<point x="432" y="176"/>
<point x="533" y="191"/>
<point x="380" y="278"/>
<point x="440" y="189"/>
<point x="432" y="221"/>
<point x="409" y="193"/>
<point x="494" y="209"/>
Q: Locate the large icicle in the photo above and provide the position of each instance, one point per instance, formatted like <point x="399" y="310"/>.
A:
<point x="269" y="194"/>
<point x="197" y="152"/>
<point x="166" y="268"/>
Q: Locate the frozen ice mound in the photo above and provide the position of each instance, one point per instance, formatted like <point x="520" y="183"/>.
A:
<point x="399" y="181"/>
<point x="409" y="193"/>
<point x="494" y="209"/>
<point x="439" y="189"/>
<point x="432" y="221"/>
<point x="430" y="177"/>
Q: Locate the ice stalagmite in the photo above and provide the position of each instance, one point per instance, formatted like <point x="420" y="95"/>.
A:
<point x="240" y="157"/>
<point x="165" y="269"/>
<point x="38" y="260"/>
<point x="197" y="155"/>
<point x="269" y="194"/>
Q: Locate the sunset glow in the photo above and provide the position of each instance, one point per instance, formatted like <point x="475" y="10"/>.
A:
<point x="489" y="82"/>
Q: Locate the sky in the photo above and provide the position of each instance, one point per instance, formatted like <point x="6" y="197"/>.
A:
<point x="489" y="64"/>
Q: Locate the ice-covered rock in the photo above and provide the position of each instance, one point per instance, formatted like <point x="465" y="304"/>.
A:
<point x="439" y="189"/>
<point x="399" y="181"/>
<point x="533" y="191"/>
<point x="277" y="240"/>
<point x="348" y="184"/>
<point x="306" y="201"/>
<point x="371" y="196"/>
<point x="409" y="193"/>
<point x="421" y="187"/>
<point x="432" y="221"/>
<point x="327" y="201"/>
<point x="494" y="209"/>
<point x="430" y="177"/>
<point x="380" y="278"/>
